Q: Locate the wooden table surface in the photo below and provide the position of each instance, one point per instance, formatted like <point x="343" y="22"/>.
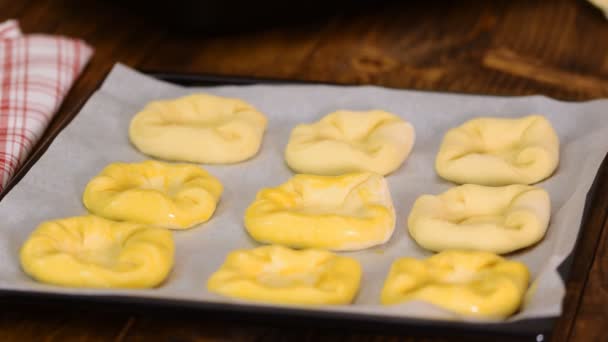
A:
<point x="556" y="48"/>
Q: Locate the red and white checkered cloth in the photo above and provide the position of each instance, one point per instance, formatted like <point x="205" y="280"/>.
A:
<point x="36" y="72"/>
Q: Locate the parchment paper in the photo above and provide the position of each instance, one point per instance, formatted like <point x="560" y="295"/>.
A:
<point x="99" y="135"/>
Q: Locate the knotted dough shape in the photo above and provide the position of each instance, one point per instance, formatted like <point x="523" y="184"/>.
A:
<point x="346" y="141"/>
<point x="175" y="196"/>
<point x="499" y="151"/>
<point x="90" y="251"/>
<point x="469" y="283"/>
<point x="277" y="274"/>
<point x="199" y="128"/>
<point x="493" y="219"/>
<point x="348" y="212"/>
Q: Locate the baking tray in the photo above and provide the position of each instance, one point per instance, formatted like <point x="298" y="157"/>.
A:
<point x="533" y="328"/>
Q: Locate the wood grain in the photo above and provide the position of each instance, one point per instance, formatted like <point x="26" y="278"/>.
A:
<point x="558" y="48"/>
<point x="507" y="61"/>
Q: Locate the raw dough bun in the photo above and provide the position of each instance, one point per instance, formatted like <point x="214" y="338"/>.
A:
<point x="199" y="128"/>
<point x="345" y="141"/>
<point x="469" y="283"/>
<point x="175" y="196"/>
<point x="602" y="5"/>
<point x="499" y="151"/>
<point x="348" y="212"/>
<point x="89" y="251"/>
<point x="281" y="275"/>
<point x="493" y="219"/>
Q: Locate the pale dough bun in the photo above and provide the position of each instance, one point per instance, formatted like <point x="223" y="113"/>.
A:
<point x="175" y="196"/>
<point x="469" y="283"/>
<point x="89" y="251"/>
<point x="475" y="217"/>
<point x="199" y="128"/>
<point x="602" y="5"/>
<point x="348" y="212"/>
<point x="347" y="141"/>
<point x="499" y="151"/>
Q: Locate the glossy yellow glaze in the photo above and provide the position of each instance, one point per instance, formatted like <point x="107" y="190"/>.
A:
<point x="89" y="251"/>
<point x="348" y="212"/>
<point x="175" y="196"/>
<point x="473" y="284"/>
<point x="277" y="274"/>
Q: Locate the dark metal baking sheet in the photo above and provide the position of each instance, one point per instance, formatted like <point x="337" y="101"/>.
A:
<point x="533" y="328"/>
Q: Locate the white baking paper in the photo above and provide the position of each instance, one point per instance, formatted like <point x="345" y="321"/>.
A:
<point x="99" y="135"/>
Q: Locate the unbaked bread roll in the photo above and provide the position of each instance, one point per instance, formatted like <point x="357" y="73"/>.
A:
<point x="89" y="251"/>
<point x="469" y="283"/>
<point x="175" y="196"/>
<point x="281" y="275"/>
<point x="348" y="212"/>
<point x="475" y="217"/>
<point x="499" y="151"/>
<point x="346" y="141"/>
<point x="199" y="128"/>
<point x="602" y="5"/>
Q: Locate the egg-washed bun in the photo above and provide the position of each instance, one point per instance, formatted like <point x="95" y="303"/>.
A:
<point x="499" y="151"/>
<point x="476" y="217"/>
<point x="175" y="196"/>
<point x="348" y="212"/>
<point x="346" y="141"/>
<point x="469" y="283"/>
<point x="199" y="128"/>
<point x="89" y="251"/>
<point x="277" y="274"/>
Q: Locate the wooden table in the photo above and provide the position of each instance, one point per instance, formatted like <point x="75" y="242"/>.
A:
<point x="557" y="48"/>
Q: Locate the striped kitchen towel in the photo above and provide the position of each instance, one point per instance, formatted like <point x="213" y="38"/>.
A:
<point x="36" y="72"/>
